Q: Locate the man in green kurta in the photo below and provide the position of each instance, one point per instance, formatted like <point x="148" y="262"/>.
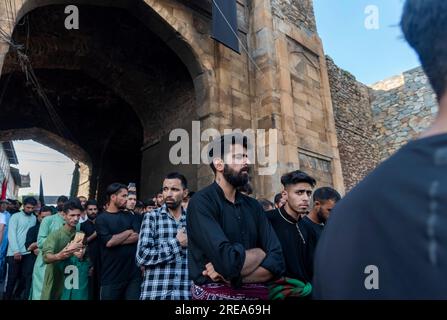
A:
<point x="48" y="225"/>
<point x="62" y="255"/>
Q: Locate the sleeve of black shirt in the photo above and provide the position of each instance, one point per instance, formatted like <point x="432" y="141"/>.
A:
<point x="274" y="260"/>
<point x="227" y="258"/>
<point x="31" y="236"/>
<point x="102" y="230"/>
<point x="136" y="223"/>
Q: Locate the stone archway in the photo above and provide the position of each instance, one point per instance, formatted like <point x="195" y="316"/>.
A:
<point x="88" y="59"/>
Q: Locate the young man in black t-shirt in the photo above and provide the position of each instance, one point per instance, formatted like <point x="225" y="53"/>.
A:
<point x="89" y="228"/>
<point x="118" y="237"/>
<point x="298" y="187"/>
<point x="312" y="224"/>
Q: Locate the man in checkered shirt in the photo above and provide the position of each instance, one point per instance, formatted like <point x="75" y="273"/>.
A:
<point x="162" y="245"/>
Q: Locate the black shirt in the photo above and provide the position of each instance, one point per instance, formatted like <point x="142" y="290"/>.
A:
<point x="292" y="236"/>
<point x="395" y="221"/>
<point x="311" y="233"/>
<point x="89" y="228"/>
<point x="117" y="263"/>
<point x="31" y="235"/>
<point x="220" y="232"/>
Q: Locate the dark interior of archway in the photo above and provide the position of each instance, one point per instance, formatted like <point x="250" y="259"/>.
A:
<point x="107" y="81"/>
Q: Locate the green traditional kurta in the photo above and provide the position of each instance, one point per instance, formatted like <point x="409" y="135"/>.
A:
<point x="56" y="274"/>
<point x="82" y="292"/>
<point x="53" y="283"/>
<point x="48" y="225"/>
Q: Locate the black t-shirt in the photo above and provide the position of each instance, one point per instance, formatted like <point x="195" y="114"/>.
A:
<point x="31" y="234"/>
<point x="117" y="263"/>
<point x="291" y="237"/>
<point x="390" y="231"/>
<point x="311" y="232"/>
<point x="88" y="227"/>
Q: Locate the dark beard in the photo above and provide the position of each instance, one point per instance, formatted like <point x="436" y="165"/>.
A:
<point x="235" y="179"/>
<point x="174" y="205"/>
<point x="321" y="216"/>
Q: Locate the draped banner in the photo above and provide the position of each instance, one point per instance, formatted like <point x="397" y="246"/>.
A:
<point x="225" y="23"/>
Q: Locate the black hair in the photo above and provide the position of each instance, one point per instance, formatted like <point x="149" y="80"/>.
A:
<point x="46" y="209"/>
<point x="73" y="204"/>
<point x="91" y="202"/>
<point x="62" y="199"/>
<point x="190" y="194"/>
<point x="114" y="188"/>
<point x="149" y="203"/>
<point x="326" y="193"/>
<point x="139" y="204"/>
<point x="277" y="198"/>
<point x="297" y="176"/>
<point x="220" y="143"/>
<point x="181" y="177"/>
<point x="424" y="24"/>
<point x="265" y="204"/>
<point x="30" y="200"/>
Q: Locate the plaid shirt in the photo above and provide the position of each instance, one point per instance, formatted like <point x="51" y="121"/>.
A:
<point x="164" y="260"/>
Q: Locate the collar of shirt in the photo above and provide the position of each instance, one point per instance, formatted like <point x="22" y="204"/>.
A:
<point x="287" y="216"/>
<point x="164" y="210"/>
<point x="220" y="192"/>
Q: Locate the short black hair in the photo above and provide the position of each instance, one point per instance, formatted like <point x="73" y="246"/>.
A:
<point x="297" y="176"/>
<point x="424" y="24"/>
<point x="139" y="204"/>
<point x="62" y="199"/>
<point x="326" y="193"/>
<point x="149" y="203"/>
<point x="30" y="200"/>
<point x="278" y="197"/>
<point x="181" y="177"/>
<point x="114" y="188"/>
<point x="220" y="143"/>
<point x="265" y="204"/>
<point x="46" y="209"/>
<point x="91" y="202"/>
<point x="73" y="204"/>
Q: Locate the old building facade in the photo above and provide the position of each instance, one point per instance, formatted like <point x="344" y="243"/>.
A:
<point x="135" y="70"/>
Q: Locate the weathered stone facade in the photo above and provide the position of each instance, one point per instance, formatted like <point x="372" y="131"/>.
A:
<point x="355" y="124"/>
<point x="403" y="106"/>
<point x="279" y="81"/>
<point x="374" y="122"/>
<point x="298" y="12"/>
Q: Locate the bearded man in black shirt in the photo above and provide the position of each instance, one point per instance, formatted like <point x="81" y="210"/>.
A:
<point x="233" y="250"/>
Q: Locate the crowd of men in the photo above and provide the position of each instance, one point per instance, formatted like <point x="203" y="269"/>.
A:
<point x="218" y="243"/>
<point x="222" y="244"/>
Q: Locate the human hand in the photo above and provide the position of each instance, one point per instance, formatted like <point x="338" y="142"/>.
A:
<point x="182" y="237"/>
<point x="212" y="274"/>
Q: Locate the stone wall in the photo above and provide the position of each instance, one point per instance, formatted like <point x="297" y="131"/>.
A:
<point x="354" y="123"/>
<point x="298" y="12"/>
<point x="403" y="106"/>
